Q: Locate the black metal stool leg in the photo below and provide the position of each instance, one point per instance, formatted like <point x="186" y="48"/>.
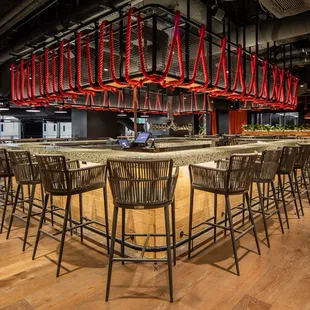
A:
<point x="226" y="219"/>
<point x="40" y="226"/>
<point x="11" y="193"/>
<point x="305" y="183"/>
<point x="123" y="234"/>
<point x="293" y="194"/>
<point x="298" y="191"/>
<point x="262" y="206"/>
<point x="252" y="222"/>
<point x="42" y="196"/>
<point x="81" y="215"/>
<point x="70" y="221"/>
<point x="106" y="215"/>
<point x="283" y="200"/>
<point x="173" y="233"/>
<point x="190" y="223"/>
<point x="215" y="216"/>
<point x="277" y="205"/>
<point x="13" y="211"/>
<point x="268" y="192"/>
<point x="5" y="184"/>
<point x="63" y="236"/>
<point x="33" y="191"/>
<point x="6" y="200"/>
<point x="52" y="210"/>
<point x="23" y="198"/>
<point x="167" y="224"/>
<point x="243" y="209"/>
<point x="114" y="225"/>
<point x="232" y="233"/>
<point x="251" y="195"/>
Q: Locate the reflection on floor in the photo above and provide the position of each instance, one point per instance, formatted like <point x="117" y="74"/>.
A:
<point x="278" y="279"/>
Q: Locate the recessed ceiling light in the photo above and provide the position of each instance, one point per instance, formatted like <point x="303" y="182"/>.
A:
<point x="4" y="109"/>
<point x="144" y="116"/>
<point x="105" y="69"/>
<point x="60" y="112"/>
<point x="301" y="85"/>
<point x="121" y="114"/>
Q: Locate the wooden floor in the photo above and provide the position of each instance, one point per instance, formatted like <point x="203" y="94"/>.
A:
<point x="278" y="279"/>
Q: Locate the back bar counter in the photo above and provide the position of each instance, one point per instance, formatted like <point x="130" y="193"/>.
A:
<point x="149" y="221"/>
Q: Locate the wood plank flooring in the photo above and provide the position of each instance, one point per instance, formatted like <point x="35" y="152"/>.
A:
<point x="278" y="279"/>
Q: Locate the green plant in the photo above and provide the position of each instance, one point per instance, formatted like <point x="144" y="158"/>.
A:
<point x="202" y="130"/>
<point x="278" y="127"/>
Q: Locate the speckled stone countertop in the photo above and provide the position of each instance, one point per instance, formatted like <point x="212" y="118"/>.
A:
<point x="180" y="158"/>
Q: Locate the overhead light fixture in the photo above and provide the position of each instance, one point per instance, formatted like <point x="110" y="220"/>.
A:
<point x="105" y="69"/>
<point x="301" y="85"/>
<point x="144" y="116"/>
<point x="4" y="109"/>
<point x="217" y="12"/>
<point x="60" y="111"/>
<point x="121" y="114"/>
<point x="33" y="110"/>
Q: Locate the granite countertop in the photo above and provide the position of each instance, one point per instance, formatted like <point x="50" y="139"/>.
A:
<point x="180" y="158"/>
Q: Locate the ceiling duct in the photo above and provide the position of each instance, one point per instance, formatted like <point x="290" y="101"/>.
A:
<point x="284" y="8"/>
<point x="21" y="10"/>
<point x="66" y="21"/>
<point x="198" y="10"/>
<point x="277" y="29"/>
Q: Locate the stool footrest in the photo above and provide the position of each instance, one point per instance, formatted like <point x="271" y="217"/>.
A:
<point x="54" y="209"/>
<point x="22" y="218"/>
<point x="272" y="213"/>
<point x="204" y="222"/>
<point x="217" y="225"/>
<point x="146" y="260"/>
<point x="244" y="232"/>
<point x="145" y="245"/>
<point x="49" y="235"/>
<point x="288" y="201"/>
<point x="145" y="235"/>
<point x="75" y="227"/>
<point x="92" y="221"/>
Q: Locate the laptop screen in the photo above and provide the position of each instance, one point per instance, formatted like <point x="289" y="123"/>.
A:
<point x="142" y="137"/>
<point x="122" y="142"/>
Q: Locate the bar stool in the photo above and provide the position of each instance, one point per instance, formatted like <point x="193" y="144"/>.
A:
<point x="300" y="165"/>
<point x="59" y="179"/>
<point x="286" y="168"/>
<point x="231" y="177"/>
<point x="145" y="185"/>
<point x="26" y="173"/>
<point x="7" y="174"/>
<point x="265" y="172"/>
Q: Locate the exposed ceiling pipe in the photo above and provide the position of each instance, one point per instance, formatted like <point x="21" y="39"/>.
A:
<point x="283" y="8"/>
<point x="64" y="22"/>
<point x="198" y="10"/>
<point x="277" y="29"/>
<point x="19" y="12"/>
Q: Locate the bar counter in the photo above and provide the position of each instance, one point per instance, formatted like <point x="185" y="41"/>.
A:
<point x="150" y="221"/>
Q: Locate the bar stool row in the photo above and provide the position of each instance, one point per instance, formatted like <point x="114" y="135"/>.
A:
<point x="146" y="184"/>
